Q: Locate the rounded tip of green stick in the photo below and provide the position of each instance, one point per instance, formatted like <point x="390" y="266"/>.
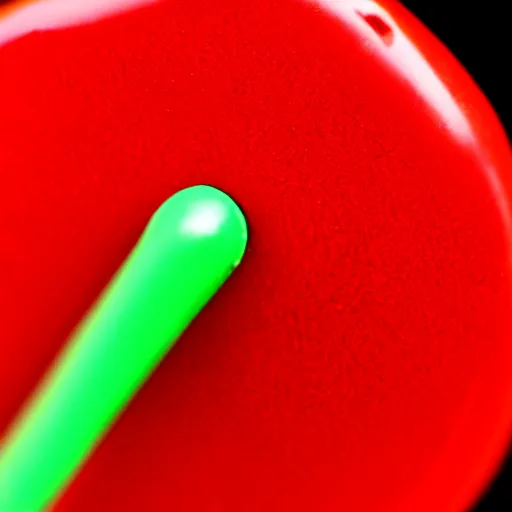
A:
<point x="190" y="247"/>
<point x="204" y="212"/>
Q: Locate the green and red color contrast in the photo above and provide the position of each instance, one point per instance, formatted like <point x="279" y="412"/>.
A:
<point x="360" y="358"/>
<point x="190" y="247"/>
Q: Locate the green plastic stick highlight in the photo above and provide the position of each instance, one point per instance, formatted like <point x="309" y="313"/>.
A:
<point x="188" y="250"/>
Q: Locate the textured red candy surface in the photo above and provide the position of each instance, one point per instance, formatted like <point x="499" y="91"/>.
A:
<point x="360" y="359"/>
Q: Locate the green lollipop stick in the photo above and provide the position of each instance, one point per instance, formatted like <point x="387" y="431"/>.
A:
<point x="188" y="250"/>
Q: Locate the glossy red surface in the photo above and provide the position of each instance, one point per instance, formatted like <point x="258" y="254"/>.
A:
<point x="360" y="359"/>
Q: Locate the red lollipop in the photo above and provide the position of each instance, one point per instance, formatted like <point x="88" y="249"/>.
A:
<point x="361" y="357"/>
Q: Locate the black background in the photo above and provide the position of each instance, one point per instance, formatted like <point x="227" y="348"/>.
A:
<point x="479" y="34"/>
